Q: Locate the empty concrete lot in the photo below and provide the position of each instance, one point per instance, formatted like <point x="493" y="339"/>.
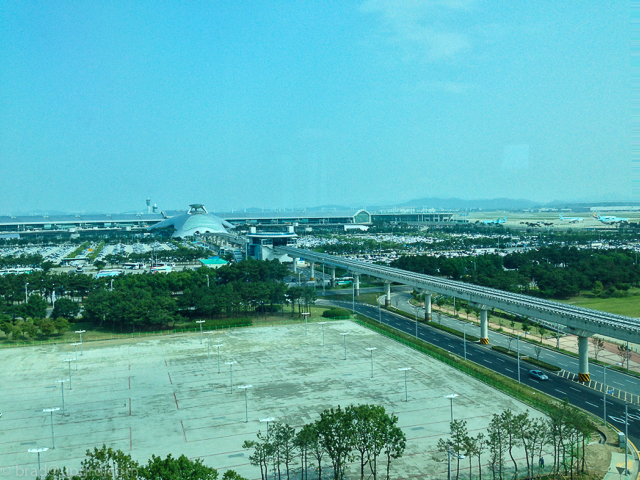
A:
<point x="164" y="395"/>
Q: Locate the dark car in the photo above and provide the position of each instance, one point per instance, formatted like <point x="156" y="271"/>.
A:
<point x="538" y="375"/>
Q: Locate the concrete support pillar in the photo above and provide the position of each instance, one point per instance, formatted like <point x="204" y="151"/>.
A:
<point x="313" y="271"/>
<point x="333" y="276"/>
<point x="583" y="358"/>
<point x="484" y="327"/>
<point x="427" y="306"/>
<point x="387" y="294"/>
<point x="356" y="283"/>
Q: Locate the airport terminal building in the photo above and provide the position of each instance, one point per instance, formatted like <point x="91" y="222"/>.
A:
<point x="182" y="221"/>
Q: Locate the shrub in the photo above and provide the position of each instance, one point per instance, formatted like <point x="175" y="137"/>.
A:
<point x="336" y="313"/>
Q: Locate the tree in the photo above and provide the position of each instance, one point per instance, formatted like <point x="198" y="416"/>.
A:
<point x="598" y="346"/>
<point x="66" y="308"/>
<point x="284" y="436"/>
<point x="538" y="350"/>
<point x="36" y="307"/>
<point x="180" y="468"/>
<point x="623" y="353"/>
<point x="61" y="324"/>
<point x="335" y="432"/>
<point x="394" y="439"/>
<point x="598" y="289"/>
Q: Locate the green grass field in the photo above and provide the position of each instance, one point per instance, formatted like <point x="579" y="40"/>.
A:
<point x="629" y="306"/>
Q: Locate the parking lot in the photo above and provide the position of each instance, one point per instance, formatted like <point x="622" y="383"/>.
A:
<point x="164" y="395"/>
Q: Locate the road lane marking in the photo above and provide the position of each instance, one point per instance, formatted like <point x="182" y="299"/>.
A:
<point x="509" y="370"/>
<point x="589" y="403"/>
<point x="576" y="389"/>
<point x="560" y="391"/>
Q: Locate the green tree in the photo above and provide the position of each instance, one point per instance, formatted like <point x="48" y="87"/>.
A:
<point x="598" y="289"/>
<point x="66" y="308"/>
<point x="180" y="468"/>
<point x="61" y="324"/>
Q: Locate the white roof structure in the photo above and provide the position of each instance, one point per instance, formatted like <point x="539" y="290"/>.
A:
<point x="196" y="221"/>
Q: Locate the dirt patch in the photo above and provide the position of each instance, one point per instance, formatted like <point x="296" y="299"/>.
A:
<point x="598" y="455"/>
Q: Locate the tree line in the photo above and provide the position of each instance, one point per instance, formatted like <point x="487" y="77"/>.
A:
<point x="565" y="432"/>
<point x="108" y="464"/>
<point x="365" y="433"/>
<point x="548" y="272"/>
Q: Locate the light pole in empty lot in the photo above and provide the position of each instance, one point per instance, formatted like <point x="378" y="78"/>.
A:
<point x="246" y="401"/>
<point x="218" y="347"/>
<point x="451" y="396"/>
<point x="26" y="293"/>
<point x="405" y="370"/>
<point x="209" y="332"/>
<point x="267" y="420"/>
<point x="371" y="349"/>
<point x="230" y="375"/>
<point x="75" y="346"/>
<point x="61" y="382"/>
<point x="306" y="325"/>
<point x="323" y="324"/>
<point x="51" y="410"/>
<point x="344" y="335"/>
<point x="80" y="332"/>
<point x="69" y="360"/>
<point x="38" y="451"/>
<point x="200" y="322"/>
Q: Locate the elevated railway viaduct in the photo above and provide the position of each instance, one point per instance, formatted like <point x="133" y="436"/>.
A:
<point x="579" y="321"/>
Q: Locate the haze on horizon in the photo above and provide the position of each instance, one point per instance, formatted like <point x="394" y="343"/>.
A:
<point x="295" y="104"/>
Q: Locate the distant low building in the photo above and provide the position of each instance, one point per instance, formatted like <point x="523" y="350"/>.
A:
<point x="213" y="262"/>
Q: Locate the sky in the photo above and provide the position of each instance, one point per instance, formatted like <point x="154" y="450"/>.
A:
<point x="295" y="104"/>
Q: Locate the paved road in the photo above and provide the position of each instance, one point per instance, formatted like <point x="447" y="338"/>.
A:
<point x="577" y="394"/>
<point x="615" y="379"/>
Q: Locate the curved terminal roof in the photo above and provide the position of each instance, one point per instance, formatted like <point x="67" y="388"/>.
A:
<point x="196" y="221"/>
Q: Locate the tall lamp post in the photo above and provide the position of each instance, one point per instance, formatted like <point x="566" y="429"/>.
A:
<point x="323" y="324"/>
<point x="267" y="420"/>
<point x="604" y="393"/>
<point x="75" y="346"/>
<point x="464" y="339"/>
<point x="51" y="410"/>
<point x="371" y="349"/>
<point x="518" y="344"/>
<point x="405" y="370"/>
<point x="344" y="335"/>
<point x="200" y="322"/>
<point x="80" y="332"/>
<point x="246" y="401"/>
<point x="218" y="347"/>
<point x="451" y="396"/>
<point x="38" y="451"/>
<point x="61" y="382"/>
<point x="230" y="375"/>
<point x="306" y="325"/>
<point x="26" y="293"/>
<point x="209" y="332"/>
<point x="69" y="360"/>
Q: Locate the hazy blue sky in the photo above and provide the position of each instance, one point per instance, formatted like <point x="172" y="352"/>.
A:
<point x="291" y="104"/>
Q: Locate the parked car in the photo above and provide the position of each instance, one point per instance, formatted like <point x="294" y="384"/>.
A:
<point x="538" y="375"/>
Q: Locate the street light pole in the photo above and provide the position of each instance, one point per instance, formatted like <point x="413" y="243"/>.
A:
<point x="38" y="450"/>
<point x="218" y="347"/>
<point x="200" y="322"/>
<point x="61" y="382"/>
<point x="69" y="360"/>
<point x="230" y="375"/>
<point x="80" y="332"/>
<point x="246" y="401"/>
<point x="371" y="349"/>
<point x="26" y="293"/>
<point x="306" y="325"/>
<point x="518" y="344"/>
<point x="405" y="370"/>
<point x="344" y="335"/>
<point x="323" y="324"/>
<point x="75" y="346"/>
<point x="464" y="339"/>
<point x="208" y="342"/>
<point x="270" y="419"/>
<point x="51" y="410"/>
<point x="604" y="393"/>
<point x="451" y="396"/>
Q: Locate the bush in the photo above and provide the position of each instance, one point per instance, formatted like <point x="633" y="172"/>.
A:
<point x="336" y="313"/>
<point x="225" y="322"/>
